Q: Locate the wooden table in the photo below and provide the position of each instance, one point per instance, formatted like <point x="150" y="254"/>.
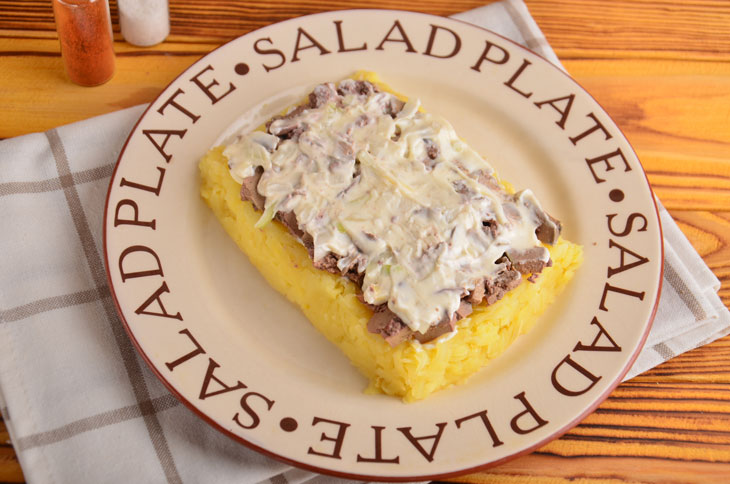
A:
<point x="660" y="69"/>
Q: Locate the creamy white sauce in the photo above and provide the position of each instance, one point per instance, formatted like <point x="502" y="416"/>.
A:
<point x="361" y="183"/>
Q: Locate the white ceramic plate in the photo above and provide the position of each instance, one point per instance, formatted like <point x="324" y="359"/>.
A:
<point x="248" y="362"/>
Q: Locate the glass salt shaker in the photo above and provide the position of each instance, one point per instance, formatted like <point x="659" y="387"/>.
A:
<point x="144" y="22"/>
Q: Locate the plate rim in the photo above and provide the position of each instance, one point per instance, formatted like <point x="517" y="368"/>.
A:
<point x="355" y="476"/>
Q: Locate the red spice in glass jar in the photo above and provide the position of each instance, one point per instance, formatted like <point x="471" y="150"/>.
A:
<point x="85" y="32"/>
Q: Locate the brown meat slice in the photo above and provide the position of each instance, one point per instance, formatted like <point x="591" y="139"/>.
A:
<point x="476" y="296"/>
<point x="349" y="86"/>
<point x="355" y="276"/>
<point x="393" y="107"/>
<point x="445" y="326"/>
<point x="549" y="229"/>
<point x="528" y="261"/>
<point x="464" y="310"/>
<point x="389" y="326"/>
<point x="506" y="281"/>
<point x="289" y="219"/>
<point x="327" y="263"/>
<point x="386" y="323"/>
<point x="249" y="189"/>
<point x="321" y="95"/>
<point x="288" y="129"/>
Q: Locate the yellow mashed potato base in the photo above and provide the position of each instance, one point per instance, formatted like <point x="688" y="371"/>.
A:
<point x="410" y="370"/>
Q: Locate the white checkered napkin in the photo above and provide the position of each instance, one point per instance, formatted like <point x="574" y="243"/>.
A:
<point x="80" y="404"/>
<point x="511" y="19"/>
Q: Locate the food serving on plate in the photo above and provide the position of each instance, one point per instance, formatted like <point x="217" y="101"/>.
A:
<point x="396" y="239"/>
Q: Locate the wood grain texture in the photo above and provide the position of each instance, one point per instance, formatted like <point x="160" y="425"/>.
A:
<point x="661" y="69"/>
<point x="10" y="470"/>
<point x="696" y="29"/>
<point x="709" y="233"/>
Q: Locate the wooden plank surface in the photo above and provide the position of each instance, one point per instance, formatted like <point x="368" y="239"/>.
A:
<point x="660" y="68"/>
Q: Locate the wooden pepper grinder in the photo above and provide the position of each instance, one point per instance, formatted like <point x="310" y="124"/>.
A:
<point x="85" y="32"/>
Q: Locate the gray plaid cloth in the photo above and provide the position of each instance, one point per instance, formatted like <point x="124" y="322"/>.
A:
<point x="79" y="403"/>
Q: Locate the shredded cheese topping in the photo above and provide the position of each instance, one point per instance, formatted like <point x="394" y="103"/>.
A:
<point x="401" y="198"/>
